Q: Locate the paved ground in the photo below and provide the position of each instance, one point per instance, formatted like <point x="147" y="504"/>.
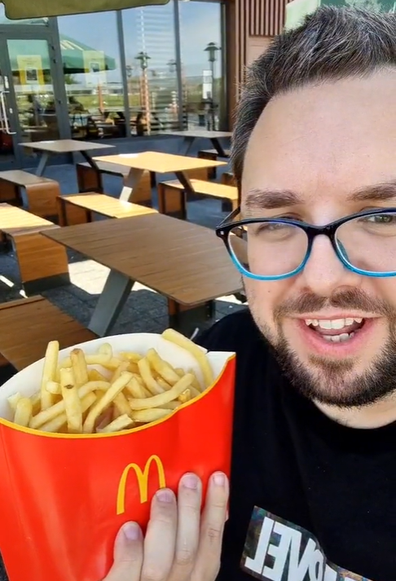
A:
<point x="145" y="310"/>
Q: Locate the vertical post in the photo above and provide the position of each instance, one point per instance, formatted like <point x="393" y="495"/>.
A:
<point x="179" y="74"/>
<point x="124" y="78"/>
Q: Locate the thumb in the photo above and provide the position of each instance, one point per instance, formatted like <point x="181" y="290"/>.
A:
<point x="128" y="554"/>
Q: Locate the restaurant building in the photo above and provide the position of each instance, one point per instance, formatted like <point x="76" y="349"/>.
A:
<point x="127" y="75"/>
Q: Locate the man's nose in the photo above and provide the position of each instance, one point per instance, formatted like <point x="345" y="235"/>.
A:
<point x="324" y="272"/>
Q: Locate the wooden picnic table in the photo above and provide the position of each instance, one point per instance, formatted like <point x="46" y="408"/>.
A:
<point x="60" y="147"/>
<point x="158" y="163"/>
<point x="190" y="135"/>
<point x="184" y="262"/>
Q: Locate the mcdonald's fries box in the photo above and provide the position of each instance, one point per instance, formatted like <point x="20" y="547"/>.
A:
<point x="63" y="496"/>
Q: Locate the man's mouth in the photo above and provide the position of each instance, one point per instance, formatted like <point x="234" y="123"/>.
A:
<point x="336" y="330"/>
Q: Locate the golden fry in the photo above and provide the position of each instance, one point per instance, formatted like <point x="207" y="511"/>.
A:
<point x="13" y="400"/>
<point x="123" y="366"/>
<point x="122" y="406"/>
<point x="49" y="373"/>
<point x="162" y="383"/>
<point x="95" y="375"/>
<point x="108" y="397"/>
<point x="57" y="423"/>
<point x="58" y="408"/>
<point x="72" y="401"/>
<point x="165" y="397"/>
<point x="53" y="387"/>
<point x="130" y="356"/>
<point x="149" y="381"/>
<point x="185" y="396"/>
<point x="23" y="411"/>
<point x="151" y="415"/>
<point x="121" y="423"/>
<point x="79" y="366"/>
<point x="163" y="368"/>
<point x="98" y="359"/>
<point x="200" y="355"/>
<point x="134" y="388"/>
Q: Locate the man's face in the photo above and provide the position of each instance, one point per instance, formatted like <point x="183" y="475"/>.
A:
<point x="323" y="144"/>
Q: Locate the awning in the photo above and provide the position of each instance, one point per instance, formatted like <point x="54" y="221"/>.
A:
<point x="17" y="9"/>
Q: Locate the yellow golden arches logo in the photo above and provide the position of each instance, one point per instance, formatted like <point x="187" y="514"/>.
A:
<point x="142" y="478"/>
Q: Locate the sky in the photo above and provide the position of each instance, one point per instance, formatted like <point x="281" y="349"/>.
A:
<point x="200" y="24"/>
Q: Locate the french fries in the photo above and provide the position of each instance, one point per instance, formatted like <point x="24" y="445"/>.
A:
<point x="107" y="392"/>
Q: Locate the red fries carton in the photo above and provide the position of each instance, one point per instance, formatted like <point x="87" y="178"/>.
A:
<point x="64" y="497"/>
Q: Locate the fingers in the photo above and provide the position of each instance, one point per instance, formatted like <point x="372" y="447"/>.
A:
<point x="189" y="515"/>
<point x="160" y="541"/>
<point x="212" y="527"/>
<point x="128" y="554"/>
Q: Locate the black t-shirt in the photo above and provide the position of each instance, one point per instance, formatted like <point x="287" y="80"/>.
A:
<point x="324" y="493"/>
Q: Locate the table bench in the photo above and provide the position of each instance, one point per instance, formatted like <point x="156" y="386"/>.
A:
<point x="31" y="324"/>
<point x="89" y="180"/>
<point x="213" y="155"/>
<point x="79" y="208"/>
<point x="42" y="263"/>
<point x="172" y="195"/>
<point x="41" y="192"/>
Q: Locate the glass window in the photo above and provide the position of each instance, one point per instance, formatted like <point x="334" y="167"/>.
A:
<point x="93" y="80"/>
<point x="200" y="37"/>
<point x="34" y="90"/>
<point x="149" y="34"/>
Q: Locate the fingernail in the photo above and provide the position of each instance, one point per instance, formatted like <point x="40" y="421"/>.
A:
<point x="132" y="531"/>
<point x="164" y="495"/>
<point x="190" y="481"/>
<point x="219" y="479"/>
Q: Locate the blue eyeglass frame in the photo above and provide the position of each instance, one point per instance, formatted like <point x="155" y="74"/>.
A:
<point x="224" y="228"/>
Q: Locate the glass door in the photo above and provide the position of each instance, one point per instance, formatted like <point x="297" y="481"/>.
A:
<point x="29" y="108"/>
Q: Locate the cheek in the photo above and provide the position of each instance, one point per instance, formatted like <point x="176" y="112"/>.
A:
<point x="263" y="297"/>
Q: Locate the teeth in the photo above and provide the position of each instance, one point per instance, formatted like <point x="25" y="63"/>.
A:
<point x="338" y="338"/>
<point x="333" y="323"/>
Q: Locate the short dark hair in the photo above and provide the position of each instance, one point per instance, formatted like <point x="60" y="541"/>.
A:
<point x="331" y="44"/>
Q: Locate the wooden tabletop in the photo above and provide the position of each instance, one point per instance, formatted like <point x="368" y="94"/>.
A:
<point x="158" y="162"/>
<point x="183" y="261"/>
<point x="64" y="146"/>
<point x="201" y="133"/>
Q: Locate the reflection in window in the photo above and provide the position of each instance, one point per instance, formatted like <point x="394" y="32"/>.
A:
<point x="93" y="80"/>
<point x="34" y="91"/>
<point x="200" y="35"/>
<point x="151" y="68"/>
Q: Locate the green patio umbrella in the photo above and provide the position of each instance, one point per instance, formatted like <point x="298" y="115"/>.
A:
<point x="17" y="9"/>
<point x="73" y="55"/>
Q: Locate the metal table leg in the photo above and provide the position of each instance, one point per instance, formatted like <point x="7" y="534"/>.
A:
<point x="42" y="163"/>
<point x="130" y="183"/>
<point x="110" y="303"/>
<point x="218" y="147"/>
<point x="186" y="145"/>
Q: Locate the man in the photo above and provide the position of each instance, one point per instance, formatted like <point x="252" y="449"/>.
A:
<point x="315" y="433"/>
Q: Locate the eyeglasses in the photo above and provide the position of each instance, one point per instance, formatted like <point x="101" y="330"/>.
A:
<point x="274" y="249"/>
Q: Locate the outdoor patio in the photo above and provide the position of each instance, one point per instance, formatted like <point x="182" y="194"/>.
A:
<point x="145" y="310"/>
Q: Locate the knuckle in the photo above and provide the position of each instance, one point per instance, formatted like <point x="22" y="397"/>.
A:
<point x="214" y="533"/>
<point x="184" y="556"/>
<point x="152" y="573"/>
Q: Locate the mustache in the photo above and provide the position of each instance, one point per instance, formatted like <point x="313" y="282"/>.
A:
<point x="354" y="299"/>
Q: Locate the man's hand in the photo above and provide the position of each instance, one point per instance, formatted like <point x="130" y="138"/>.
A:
<point x="180" y="544"/>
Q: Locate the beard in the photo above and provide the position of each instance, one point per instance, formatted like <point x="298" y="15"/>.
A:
<point x="334" y="382"/>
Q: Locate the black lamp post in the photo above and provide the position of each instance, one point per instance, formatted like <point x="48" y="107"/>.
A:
<point x="212" y="49"/>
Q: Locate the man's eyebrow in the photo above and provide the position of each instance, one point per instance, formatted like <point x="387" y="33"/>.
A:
<point x="376" y="193"/>
<point x="271" y="199"/>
